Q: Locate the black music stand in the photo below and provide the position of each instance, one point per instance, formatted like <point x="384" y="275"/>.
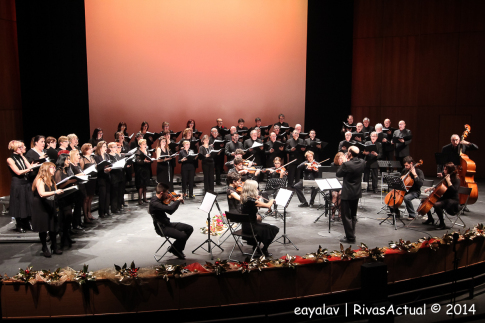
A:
<point x="385" y="164"/>
<point x="395" y="183"/>
<point x="276" y="184"/>
<point x="283" y="198"/>
<point x="329" y="185"/>
<point x="206" y="206"/>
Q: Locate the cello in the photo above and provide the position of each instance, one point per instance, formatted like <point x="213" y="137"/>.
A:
<point x="398" y="196"/>
<point x="467" y="172"/>
<point x="438" y="191"/>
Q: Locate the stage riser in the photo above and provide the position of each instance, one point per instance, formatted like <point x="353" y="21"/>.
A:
<point x="207" y="290"/>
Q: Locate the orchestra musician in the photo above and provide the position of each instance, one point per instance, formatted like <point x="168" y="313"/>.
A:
<point x="188" y="169"/>
<point x="250" y="202"/>
<point x="348" y="137"/>
<point x="294" y="153"/>
<point x="310" y="172"/>
<point x="351" y="170"/>
<point x="231" y="146"/>
<point x="20" y="204"/>
<point x="401" y="148"/>
<point x="415" y="191"/>
<point x="243" y="171"/>
<point x="219" y="159"/>
<point x="257" y="152"/>
<point x="452" y="150"/>
<point x="239" y="153"/>
<point x="311" y="142"/>
<point x="450" y="200"/>
<point x="181" y="232"/>
<point x="271" y="153"/>
<point x="233" y="197"/>
<point x="371" y="165"/>
<point x="164" y="171"/>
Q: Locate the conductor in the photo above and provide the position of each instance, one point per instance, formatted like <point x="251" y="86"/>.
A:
<point x="160" y="205"/>
<point x="351" y="171"/>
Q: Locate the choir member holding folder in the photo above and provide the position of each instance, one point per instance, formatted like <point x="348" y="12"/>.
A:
<point x="66" y="204"/>
<point x="123" y="128"/>
<point x="344" y="145"/>
<point x="218" y="144"/>
<point x="88" y="164"/>
<point x="164" y="165"/>
<point x="79" y="196"/>
<point x="117" y="177"/>
<point x="142" y="170"/>
<point x="186" y="158"/>
<point x="295" y="149"/>
<point x="36" y="154"/>
<point x="205" y="154"/>
<point x="372" y="152"/>
<point x="96" y="137"/>
<point x="103" y="161"/>
<point x="274" y="148"/>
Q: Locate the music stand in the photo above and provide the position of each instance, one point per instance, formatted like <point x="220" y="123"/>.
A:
<point x="385" y="164"/>
<point x="206" y="206"/>
<point x="395" y="183"/>
<point x="329" y="185"/>
<point x="276" y="184"/>
<point x="283" y="198"/>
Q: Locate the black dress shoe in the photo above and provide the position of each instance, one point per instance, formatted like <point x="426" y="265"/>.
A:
<point x="21" y="230"/>
<point x="429" y="221"/>
<point x="345" y="240"/>
<point x="176" y="253"/>
<point x="303" y="204"/>
<point x="79" y="228"/>
<point x="441" y="226"/>
<point x="266" y="253"/>
<point x="46" y="252"/>
<point x="311" y="205"/>
<point x="125" y="205"/>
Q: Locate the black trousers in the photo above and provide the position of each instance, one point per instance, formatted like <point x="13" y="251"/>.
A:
<point x="180" y="232"/>
<point x="299" y="192"/>
<point x="188" y="174"/>
<point x="78" y="208"/>
<point x="451" y="206"/>
<point x="388" y="155"/>
<point x="293" y="174"/>
<point x="116" y="196"/>
<point x="349" y="217"/>
<point x="104" y="195"/>
<point x="373" y="172"/>
<point x="65" y="217"/>
<point x="208" y="170"/>
<point x="219" y="167"/>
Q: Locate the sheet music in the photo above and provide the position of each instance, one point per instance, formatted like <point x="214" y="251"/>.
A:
<point x="90" y="169"/>
<point x="323" y="185"/>
<point x="334" y="183"/>
<point x="120" y="164"/>
<point x="283" y="197"/>
<point x="207" y="202"/>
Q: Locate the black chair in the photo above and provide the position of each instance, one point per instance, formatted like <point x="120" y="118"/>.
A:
<point x="238" y="234"/>
<point x="465" y="191"/>
<point x="167" y="239"/>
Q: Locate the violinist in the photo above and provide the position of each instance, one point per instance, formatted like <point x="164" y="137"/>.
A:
<point x="348" y="137"/>
<point x="219" y="159"/>
<point x="277" y="171"/>
<point x="452" y="150"/>
<point x="231" y="146"/>
<point x="310" y="172"/>
<point x="294" y="153"/>
<point x="450" y="200"/>
<point x="311" y="142"/>
<point x="413" y="193"/>
<point x="371" y="157"/>
<point x="401" y="149"/>
<point x="239" y="153"/>
<point x="181" y="232"/>
<point x="234" y="187"/>
<point x="270" y="152"/>
<point x="245" y="172"/>
<point x="164" y="171"/>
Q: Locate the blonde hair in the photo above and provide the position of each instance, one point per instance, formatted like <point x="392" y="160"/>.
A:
<point x="71" y="136"/>
<point x="99" y="146"/>
<point x="185" y="141"/>
<point x="250" y="190"/>
<point x="44" y="175"/>
<point x="72" y="153"/>
<point x="62" y="138"/>
<point x="112" y="145"/>
<point x="141" y="141"/>
<point x="309" y="152"/>
<point x="14" y="145"/>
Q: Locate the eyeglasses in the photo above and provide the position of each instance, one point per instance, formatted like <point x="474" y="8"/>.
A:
<point x="53" y="167"/>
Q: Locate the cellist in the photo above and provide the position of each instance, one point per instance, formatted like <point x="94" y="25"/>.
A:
<point x="450" y="200"/>
<point x="413" y="193"/>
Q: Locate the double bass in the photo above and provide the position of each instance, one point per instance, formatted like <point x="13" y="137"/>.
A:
<point x="398" y="196"/>
<point x="467" y="172"/>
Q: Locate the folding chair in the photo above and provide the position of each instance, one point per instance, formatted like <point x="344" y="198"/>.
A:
<point x="238" y="234"/>
<point x="167" y="239"/>
<point x="465" y="191"/>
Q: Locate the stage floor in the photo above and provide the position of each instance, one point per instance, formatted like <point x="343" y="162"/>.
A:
<point x="131" y="236"/>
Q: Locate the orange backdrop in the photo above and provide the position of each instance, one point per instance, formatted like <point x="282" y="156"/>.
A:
<point x="173" y="60"/>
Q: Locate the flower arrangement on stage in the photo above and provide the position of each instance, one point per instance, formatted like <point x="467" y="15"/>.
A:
<point x="217" y="225"/>
<point x="128" y="274"/>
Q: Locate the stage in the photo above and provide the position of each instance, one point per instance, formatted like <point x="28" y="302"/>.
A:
<point x="130" y="236"/>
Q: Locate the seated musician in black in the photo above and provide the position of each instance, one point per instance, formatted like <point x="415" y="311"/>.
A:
<point x="233" y="196"/>
<point x="310" y="172"/>
<point x="159" y="210"/>
<point x="238" y="153"/>
<point x="413" y="193"/>
<point x="241" y="170"/>
<point x="450" y="199"/>
<point x="452" y="150"/>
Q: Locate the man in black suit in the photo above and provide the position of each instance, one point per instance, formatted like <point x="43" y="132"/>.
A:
<point x="371" y="158"/>
<point x="367" y="127"/>
<point x="401" y="144"/>
<point x="387" y="146"/>
<point x="218" y="159"/>
<point x="294" y="153"/>
<point x="271" y="153"/>
<point x="351" y="171"/>
<point x="452" y="151"/>
<point x="350" y="125"/>
<point x="232" y="130"/>
<point x="231" y="146"/>
<point x="281" y="122"/>
<point x="312" y="142"/>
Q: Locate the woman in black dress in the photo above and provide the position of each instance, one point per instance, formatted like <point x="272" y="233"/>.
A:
<point x="116" y="178"/>
<point x="123" y="128"/>
<point x="36" y="153"/>
<point x="249" y="205"/>
<point x="96" y="137"/>
<point x="450" y="200"/>
<point x="21" y="196"/>
<point x="44" y="219"/>
<point x="164" y="171"/>
<point x="188" y="135"/>
<point x="66" y="204"/>
<point x="207" y="163"/>
<point x="338" y="160"/>
<point x="123" y="149"/>
<point x="51" y="151"/>
<point x="73" y="142"/>
<point x="103" y="183"/>
<point x="80" y="195"/>
<point x="143" y="167"/>
<point x="188" y="169"/>
<point x="191" y="125"/>
<point x="87" y="160"/>
<point x="233" y="197"/>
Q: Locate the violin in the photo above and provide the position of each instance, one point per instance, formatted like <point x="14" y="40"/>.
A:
<point x="395" y="197"/>
<point x="281" y="170"/>
<point x="171" y="197"/>
<point x="239" y="187"/>
<point x="314" y="165"/>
